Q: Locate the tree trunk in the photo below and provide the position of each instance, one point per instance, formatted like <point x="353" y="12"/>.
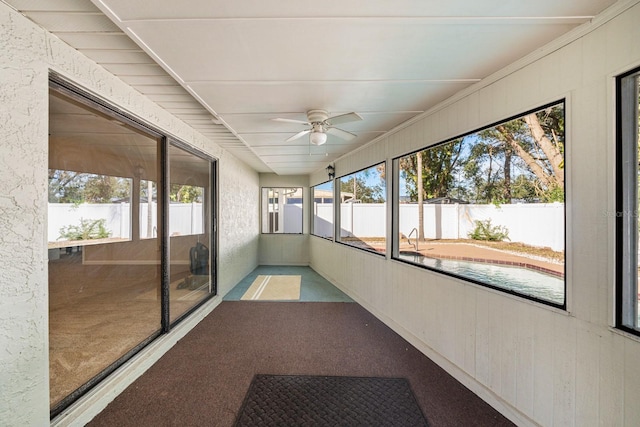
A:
<point x="539" y="172"/>
<point x="354" y="187"/>
<point x="507" y="175"/>
<point x="149" y="209"/>
<point x="548" y="148"/>
<point x="420" y="196"/>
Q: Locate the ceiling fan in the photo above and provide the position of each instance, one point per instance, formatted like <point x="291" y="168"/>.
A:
<point x="321" y="124"/>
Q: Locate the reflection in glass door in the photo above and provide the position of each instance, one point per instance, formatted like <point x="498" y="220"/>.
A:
<point x="104" y="261"/>
<point x="191" y="244"/>
<point x="131" y="223"/>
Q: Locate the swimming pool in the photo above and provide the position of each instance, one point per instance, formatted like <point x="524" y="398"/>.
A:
<point x="518" y="279"/>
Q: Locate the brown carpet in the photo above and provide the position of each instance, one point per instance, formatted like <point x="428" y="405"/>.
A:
<point x="203" y="379"/>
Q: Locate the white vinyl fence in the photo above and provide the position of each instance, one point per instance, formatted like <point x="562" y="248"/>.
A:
<point x="184" y="218"/>
<point x="536" y="224"/>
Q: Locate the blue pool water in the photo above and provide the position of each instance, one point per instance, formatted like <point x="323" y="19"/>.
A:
<point x="517" y="279"/>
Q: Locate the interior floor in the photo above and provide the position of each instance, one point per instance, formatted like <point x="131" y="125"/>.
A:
<point x="98" y="313"/>
<point x="204" y="378"/>
<point x="313" y="287"/>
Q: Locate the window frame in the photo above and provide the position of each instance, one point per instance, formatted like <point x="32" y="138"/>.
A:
<point x="262" y="212"/>
<point x="333" y="210"/>
<point x="395" y="209"/>
<point x="337" y="208"/>
<point x="627" y="197"/>
<point x="212" y="203"/>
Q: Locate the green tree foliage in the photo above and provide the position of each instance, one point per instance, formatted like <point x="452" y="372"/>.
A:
<point x="180" y="193"/>
<point x="357" y="184"/>
<point x="107" y="189"/>
<point x="439" y="165"/>
<point x="77" y="187"/>
<point x="484" y="172"/>
<point x="65" y="187"/>
<point x="521" y="160"/>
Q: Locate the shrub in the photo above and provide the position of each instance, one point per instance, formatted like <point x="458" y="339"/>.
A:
<point x="485" y="231"/>
<point x="87" y="230"/>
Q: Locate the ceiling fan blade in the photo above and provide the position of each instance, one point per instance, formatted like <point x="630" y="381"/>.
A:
<point x="290" y="121"/>
<point x="298" y="135"/>
<point x="341" y="133"/>
<point x="344" y="118"/>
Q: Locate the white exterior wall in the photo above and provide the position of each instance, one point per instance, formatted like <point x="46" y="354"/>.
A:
<point x="27" y="52"/>
<point x="536" y="364"/>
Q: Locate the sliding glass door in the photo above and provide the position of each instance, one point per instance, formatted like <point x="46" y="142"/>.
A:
<point x="130" y="235"/>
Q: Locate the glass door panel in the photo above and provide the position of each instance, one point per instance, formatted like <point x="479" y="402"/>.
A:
<point x="104" y="269"/>
<point x="191" y="206"/>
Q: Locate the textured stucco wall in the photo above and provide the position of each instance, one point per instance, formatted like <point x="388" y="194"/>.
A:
<point x="27" y="52"/>
<point x="239" y="223"/>
<point x="24" y="384"/>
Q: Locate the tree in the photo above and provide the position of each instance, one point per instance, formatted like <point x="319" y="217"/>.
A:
<point x="181" y="193"/>
<point x="78" y="187"/>
<point x="532" y="145"/>
<point x="420" y="190"/>
<point x="107" y="189"/>
<point x="483" y="171"/>
<point x="65" y="187"/>
<point x="439" y="165"/>
<point x="538" y="139"/>
<point x="356" y="184"/>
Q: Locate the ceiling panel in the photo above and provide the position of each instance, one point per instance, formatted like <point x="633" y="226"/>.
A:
<point x="100" y="41"/>
<point x="342" y="49"/>
<point x="130" y="10"/>
<point x="263" y="123"/>
<point x="241" y="64"/>
<point x="68" y="6"/>
<point x="105" y="56"/>
<point x="90" y="22"/>
<point x="299" y="97"/>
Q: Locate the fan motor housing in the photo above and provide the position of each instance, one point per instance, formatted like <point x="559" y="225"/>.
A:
<point x="317" y="116"/>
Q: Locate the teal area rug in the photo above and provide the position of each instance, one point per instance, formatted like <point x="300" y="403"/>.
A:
<point x="313" y="287"/>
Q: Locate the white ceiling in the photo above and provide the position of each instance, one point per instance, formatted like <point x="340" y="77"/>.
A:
<point x="247" y="62"/>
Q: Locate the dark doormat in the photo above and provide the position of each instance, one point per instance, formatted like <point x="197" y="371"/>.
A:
<point x="286" y="400"/>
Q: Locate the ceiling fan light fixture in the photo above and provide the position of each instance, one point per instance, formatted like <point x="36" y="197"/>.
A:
<point x="317" y="138"/>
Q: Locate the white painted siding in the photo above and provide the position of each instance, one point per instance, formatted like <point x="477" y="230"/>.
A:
<point x="26" y="54"/>
<point x="536" y="364"/>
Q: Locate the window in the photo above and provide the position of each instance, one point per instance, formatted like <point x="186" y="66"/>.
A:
<point x="322" y="220"/>
<point x="628" y="174"/>
<point x="363" y="209"/>
<point x="186" y="211"/>
<point x="488" y="206"/>
<point x="282" y="210"/>
<point x="87" y="208"/>
<point x="148" y="208"/>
